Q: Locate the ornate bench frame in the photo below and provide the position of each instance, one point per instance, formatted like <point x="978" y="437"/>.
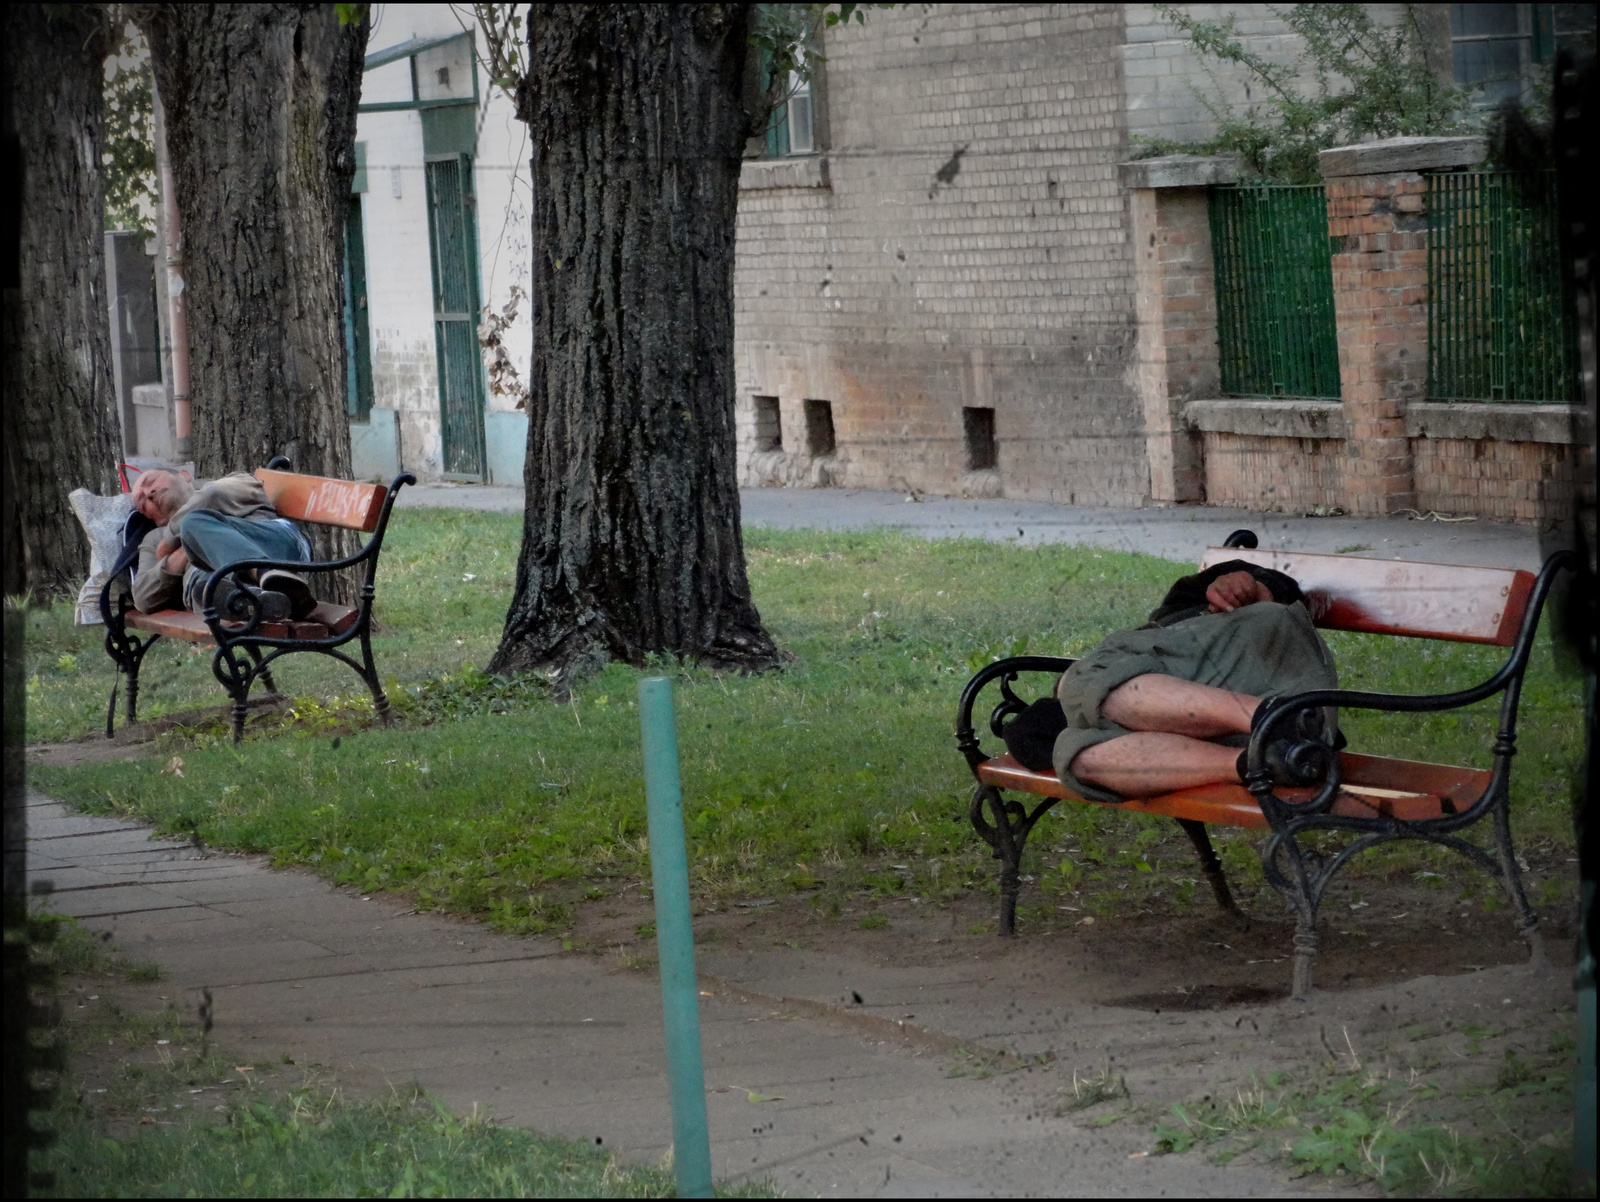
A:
<point x="1376" y="799"/>
<point x="246" y="649"/>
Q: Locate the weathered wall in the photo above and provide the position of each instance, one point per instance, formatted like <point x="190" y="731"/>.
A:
<point x="1526" y="482"/>
<point x="902" y="297"/>
<point x="1162" y="73"/>
<point x="399" y="271"/>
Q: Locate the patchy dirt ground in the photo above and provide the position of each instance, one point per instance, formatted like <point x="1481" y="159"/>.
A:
<point x="1372" y="933"/>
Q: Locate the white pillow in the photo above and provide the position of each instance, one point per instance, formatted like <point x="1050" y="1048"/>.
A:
<point x="103" y="520"/>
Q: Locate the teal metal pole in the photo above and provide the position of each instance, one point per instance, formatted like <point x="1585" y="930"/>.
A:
<point x="680" y="994"/>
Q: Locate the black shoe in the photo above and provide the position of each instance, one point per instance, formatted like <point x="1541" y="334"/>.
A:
<point x="1293" y="763"/>
<point x="232" y="600"/>
<point x="1303" y="726"/>
<point x="301" y="600"/>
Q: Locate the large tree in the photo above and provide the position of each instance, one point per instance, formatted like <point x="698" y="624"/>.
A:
<point x="260" y="103"/>
<point x="60" y="417"/>
<point x="631" y="542"/>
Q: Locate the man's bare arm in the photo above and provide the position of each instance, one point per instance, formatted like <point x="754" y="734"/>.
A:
<point x="1235" y="591"/>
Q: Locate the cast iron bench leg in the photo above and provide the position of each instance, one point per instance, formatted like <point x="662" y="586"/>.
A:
<point x="1209" y="863"/>
<point x="264" y="673"/>
<point x="1511" y="877"/>
<point x="1300" y="883"/>
<point x="369" y="673"/>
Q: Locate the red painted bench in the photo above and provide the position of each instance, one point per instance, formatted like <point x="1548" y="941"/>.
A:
<point x="1375" y="798"/>
<point x="246" y="649"/>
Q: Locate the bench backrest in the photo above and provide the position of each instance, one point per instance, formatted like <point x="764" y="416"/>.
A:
<point x="323" y="500"/>
<point x="1396" y="596"/>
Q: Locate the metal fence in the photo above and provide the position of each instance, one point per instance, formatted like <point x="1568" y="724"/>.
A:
<point x="1274" y="279"/>
<point x="1499" y="323"/>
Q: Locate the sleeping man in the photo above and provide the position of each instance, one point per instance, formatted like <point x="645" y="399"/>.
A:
<point x="198" y="530"/>
<point x="1170" y="705"/>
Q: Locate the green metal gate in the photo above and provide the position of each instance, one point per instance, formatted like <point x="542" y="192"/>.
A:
<point x="453" y="245"/>
<point x="357" y="330"/>
<point x="1500" y="323"/>
<point x="1274" y="281"/>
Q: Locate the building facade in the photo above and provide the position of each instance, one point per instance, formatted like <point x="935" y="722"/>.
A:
<point x="438" y="229"/>
<point x="962" y="288"/>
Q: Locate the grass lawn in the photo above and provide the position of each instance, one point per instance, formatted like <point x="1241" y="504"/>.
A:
<point x="837" y="775"/>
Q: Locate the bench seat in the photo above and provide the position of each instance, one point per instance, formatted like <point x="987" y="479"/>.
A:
<point x="324" y="621"/>
<point x="1373" y="787"/>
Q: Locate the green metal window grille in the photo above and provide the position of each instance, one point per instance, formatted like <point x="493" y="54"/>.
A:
<point x="1500" y="322"/>
<point x="1274" y="277"/>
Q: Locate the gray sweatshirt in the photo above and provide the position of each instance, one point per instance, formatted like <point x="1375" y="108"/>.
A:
<point x="238" y="495"/>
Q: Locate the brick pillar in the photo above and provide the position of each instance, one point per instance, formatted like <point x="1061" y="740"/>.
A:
<point x="1176" y="310"/>
<point x="1376" y="199"/>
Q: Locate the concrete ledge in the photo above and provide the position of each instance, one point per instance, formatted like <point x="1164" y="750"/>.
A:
<point x="809" y="171"/>
<point x="1499" y="421"/>
<point x="1401" y="154"/>
<point x="375" y="447"/>
<point x="506" y="439"/>
<point x="1267" y="419"/>
<point x="1179" y="171"/>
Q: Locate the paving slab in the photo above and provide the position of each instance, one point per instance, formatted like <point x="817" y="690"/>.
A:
<point x="1178" y="533"/>
<point x="572" y="1044"/>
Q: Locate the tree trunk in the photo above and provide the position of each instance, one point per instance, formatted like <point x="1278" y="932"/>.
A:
<point x="61" y="428"/>
<point x="260" y="104"/>
<point x="631" y="541"/>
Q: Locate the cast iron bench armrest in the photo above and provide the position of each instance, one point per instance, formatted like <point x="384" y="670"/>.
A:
<point x="1507" y="678"/>
<point x="1005" y="671"/>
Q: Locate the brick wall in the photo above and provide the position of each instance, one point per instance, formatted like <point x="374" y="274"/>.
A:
<point x="1529" y="482"/>
<point x="1274" y="475"/>
<point x="1177" y="338"/>
<point x="902" y="299"/>
<point x="1380" y="299"/>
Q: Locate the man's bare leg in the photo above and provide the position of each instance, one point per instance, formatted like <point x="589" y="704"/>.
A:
<point x="1181" y="707"/>
<point x="1171" y="719"/>
<point x="1150" y="763"/>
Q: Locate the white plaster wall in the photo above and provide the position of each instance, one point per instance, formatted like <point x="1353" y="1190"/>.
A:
<point x="399" y="272"/>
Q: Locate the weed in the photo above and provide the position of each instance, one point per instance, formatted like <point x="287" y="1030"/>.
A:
<point x="872" y="922"/>
<point x="1093" y="1089"/>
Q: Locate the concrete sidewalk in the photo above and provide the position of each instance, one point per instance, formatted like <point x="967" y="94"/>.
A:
<point x="1175" y="533"/>
<point x="571" y="1044"/>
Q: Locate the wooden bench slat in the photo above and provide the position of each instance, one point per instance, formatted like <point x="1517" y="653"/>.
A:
<point x="321" y="499"/>
<point x="189" y="627"/>
<point x="1405" y="789"/>
<point x="1396" y="596"/>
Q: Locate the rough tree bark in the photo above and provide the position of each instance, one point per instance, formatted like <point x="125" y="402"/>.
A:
<point x="631" y="539"/>
<point x="260" y="106"/>
<point x="60" y="425"/>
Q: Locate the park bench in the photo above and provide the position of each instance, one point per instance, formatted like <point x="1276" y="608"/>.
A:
<point x="1374" y="798"/>
<point x="246" y="649"/>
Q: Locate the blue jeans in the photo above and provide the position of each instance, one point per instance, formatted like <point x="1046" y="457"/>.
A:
<point x="214" y="540"/>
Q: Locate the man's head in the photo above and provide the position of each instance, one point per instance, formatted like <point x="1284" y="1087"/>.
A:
<point x="160" y="494"/>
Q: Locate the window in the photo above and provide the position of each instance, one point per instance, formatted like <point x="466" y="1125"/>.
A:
<point x="819" y="428"/>
<point x="769" y="426"/>
<point x="1493" y="45"/>
<point x="790" y="130"/>
<point x="982" y="453"/>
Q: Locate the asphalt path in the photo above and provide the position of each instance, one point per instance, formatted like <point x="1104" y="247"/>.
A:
<point x="1177" y="533"/>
